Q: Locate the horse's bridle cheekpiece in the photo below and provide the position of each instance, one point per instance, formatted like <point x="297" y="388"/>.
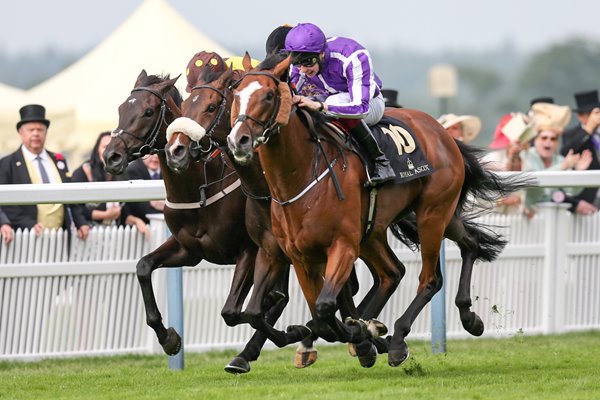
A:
<point x="149" y="139"/>
<point x="196" y="147"/>
<point x="270" y="127"/>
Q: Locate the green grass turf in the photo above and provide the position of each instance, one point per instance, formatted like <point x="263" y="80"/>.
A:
<point x="541" y="367"/>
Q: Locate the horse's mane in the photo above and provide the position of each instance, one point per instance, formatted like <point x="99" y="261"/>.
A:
<point x="271" y="61"/>
<point x="208" y="75"/>
<point x="173" y="91"/>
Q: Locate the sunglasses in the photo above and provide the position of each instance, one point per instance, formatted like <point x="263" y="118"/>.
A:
<point x="308" y="62"/>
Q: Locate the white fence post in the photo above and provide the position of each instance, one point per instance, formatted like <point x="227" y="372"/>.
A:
<point x="158" y="229"/>
<point x="553" y="290"/>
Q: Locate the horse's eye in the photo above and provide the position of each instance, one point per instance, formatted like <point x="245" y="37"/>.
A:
<point x="270" y="96"/>
<point x="149" y="112"/>
<point x="211" y="108"/>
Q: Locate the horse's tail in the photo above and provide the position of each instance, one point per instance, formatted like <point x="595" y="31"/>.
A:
<point x="480" y="240"/>
<point x="482" y="188"/>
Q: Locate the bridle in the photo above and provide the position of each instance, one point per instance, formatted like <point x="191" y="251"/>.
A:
<point x="196" y="147"/>
<point x="270" y="127"/>
<point x="150" y="138"/>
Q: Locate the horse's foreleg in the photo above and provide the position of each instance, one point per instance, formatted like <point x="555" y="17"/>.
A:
<point x="274" y="305"/>
<point x="340" y="262"/>
<point x="241" y="284"/>
<point x="169" y="254"/>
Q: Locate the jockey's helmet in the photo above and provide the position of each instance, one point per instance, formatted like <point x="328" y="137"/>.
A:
<point x="305" y="38"/>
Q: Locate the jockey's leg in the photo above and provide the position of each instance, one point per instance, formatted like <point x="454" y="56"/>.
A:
<point x="382" y="171"/>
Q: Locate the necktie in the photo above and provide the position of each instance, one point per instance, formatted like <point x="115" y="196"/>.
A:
<point x="43" y="172"/>
<point x="155" y="175"/>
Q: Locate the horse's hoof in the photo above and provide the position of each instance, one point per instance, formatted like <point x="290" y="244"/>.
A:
<point x="397" y="357"/>
<point x="305" y="359"/>
<point x="368" y="360"/>
<point x="351" y="349"/>
<point x="476" y="326"/>
<point x="237" y="366"/>
<point x="172" y="343"/>
<point x="377" y="328"/>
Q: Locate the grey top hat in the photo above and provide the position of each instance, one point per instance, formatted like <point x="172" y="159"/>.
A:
<point x="33" y="113"/>
<point x="586" y="101"/>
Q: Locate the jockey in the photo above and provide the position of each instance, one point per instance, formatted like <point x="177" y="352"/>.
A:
<point x="217" y="64"/>
<point x="335" y="76"/>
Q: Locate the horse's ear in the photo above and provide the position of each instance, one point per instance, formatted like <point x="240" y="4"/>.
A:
<point x="247" y="62"/>
<point x="235" y="111"/>
<point x="175" y="109"/>
<point x="165" y="85"/>
<point x="141" y="78"/>
<point x="285" y="105"/>
<point x="224" y="79"/>
<point x="281" y="69"/>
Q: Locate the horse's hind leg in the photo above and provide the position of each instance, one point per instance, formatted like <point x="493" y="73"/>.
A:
<point x="468" y="242"/>
<point x="169" y="254"/>
<point x="430" y="282"/>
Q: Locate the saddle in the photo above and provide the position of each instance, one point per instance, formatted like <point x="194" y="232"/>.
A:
<point x="395" y="139"/>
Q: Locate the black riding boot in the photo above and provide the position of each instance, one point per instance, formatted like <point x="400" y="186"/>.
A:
<point x="382" y="171"/>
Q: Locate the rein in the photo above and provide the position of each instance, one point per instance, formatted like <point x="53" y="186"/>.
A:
<point x="149" y="142"/>
<point x="327" y="171"/>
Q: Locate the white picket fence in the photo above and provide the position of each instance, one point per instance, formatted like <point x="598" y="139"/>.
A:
<point x="61" y="298"/>
<point x="82" y="298"/>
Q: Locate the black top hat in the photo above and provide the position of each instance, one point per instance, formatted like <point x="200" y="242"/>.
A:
<point x="276" y="39"/>
<point x="33" y="113"/>
<point x="541" y="100"/>
<point x="586" y="101"/>
<point x="390" y="97"/>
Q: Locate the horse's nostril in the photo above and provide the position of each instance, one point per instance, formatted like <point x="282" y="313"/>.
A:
<point x="179" y="151"/>
<point x="244" y="140"/>
<point x="114" y="159"/>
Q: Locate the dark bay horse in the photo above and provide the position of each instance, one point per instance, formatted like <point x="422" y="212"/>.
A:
<point x="202" y="131"/>
<point x="323" y="235"/>
<point x="214" y="232"/>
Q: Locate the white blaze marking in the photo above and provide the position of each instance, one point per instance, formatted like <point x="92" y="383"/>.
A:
<point x="244" y="97"/>
<point x="131" y="101"/>
<point x="174" y="145"/>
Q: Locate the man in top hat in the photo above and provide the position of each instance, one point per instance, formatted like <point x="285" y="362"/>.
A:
<point x="390" y="96"/>
<point x="585" y="136"/>
<point x="32" y="163"/>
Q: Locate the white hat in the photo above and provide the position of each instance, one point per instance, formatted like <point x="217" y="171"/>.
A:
<point x="550" y="116"/>
<point x="471" y="125"/>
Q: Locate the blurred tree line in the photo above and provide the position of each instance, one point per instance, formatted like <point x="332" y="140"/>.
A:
<point x="491" y="83"/>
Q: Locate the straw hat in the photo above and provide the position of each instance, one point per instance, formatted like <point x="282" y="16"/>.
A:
<point x="550" y="116"/>
<point x="471" y="125"/>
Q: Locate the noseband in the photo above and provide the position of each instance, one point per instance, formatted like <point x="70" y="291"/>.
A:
<point x="195" y="146"/>
<point x="150" y="138"/>
<point x="270" y="127"/>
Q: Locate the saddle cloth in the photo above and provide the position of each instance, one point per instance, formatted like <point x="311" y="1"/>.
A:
<point x="402" y="148"/>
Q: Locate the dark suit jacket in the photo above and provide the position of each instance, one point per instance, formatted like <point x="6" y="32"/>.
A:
<point x="13" y="170"/>
<point x="137" y="170"/>
<point x="578" y="139"/>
